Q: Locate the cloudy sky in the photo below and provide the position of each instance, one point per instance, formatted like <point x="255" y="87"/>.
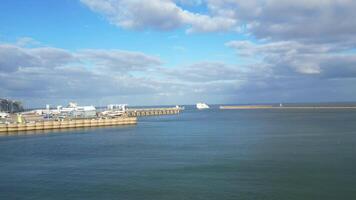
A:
<point x="151" y="52"/>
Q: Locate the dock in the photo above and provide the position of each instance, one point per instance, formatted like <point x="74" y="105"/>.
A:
<point x="128" y="118"/>
<point x="67" y="124"/>
<point x="137" y="112"/>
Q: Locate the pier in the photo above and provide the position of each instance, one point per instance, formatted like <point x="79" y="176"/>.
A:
<point x="255" y="107"/>
<point x="137" y="112"/>
<point x="33" y="122"/>
<point x="66" y="124"/>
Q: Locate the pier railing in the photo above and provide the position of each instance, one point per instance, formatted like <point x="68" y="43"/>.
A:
<point x="136" y="112"/>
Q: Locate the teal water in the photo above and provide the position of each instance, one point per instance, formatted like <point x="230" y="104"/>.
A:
<point x="212" y="154"/>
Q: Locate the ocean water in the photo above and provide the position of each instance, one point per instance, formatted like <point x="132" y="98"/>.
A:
<point x="209" y="154"/>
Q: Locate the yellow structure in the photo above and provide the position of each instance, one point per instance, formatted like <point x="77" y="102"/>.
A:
<point x="19" y="119"/>
<point x="79" y="123"/>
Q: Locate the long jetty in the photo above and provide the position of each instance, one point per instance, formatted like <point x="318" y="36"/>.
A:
<point x="253" y="107"/>
<point x="137" y="112"/>
<point x="66" y="124"/>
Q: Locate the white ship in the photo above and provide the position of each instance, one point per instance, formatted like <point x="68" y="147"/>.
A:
<point x="4" y="115"/>
<point x="202" y="106"/>
<point x="114" y="110"/>
<point x="72" y="110"/>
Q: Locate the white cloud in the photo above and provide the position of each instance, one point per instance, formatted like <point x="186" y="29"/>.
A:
<point x="26" y="41"/>
<point x="204" y="72"/>
<point x="307" y="20"/>
<point x="312" y="20"/>
<point x="13" y="57"/>
<point x="286" y="57"/>
<point x="284" y="70"/>
<point x="49" y="73"/>
<point x="156" y="14"/>
<point x="118" y="60"/>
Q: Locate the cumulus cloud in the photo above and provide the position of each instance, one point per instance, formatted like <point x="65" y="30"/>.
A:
<point x="27" y="41"/>
<point x="292" y="38"/>
<point x="13" y="57"/>
<point x="307" y="20"/>
<point x="118" y="60"/>
<point x="157" y="14"/>
<point x="280" y="71"/>
<point x="325" y="60"/>
<point x="296" y="50"/>
<point x="204" y="72"/>
<point x="45" y="74"/>
<point x="49" y="73"/>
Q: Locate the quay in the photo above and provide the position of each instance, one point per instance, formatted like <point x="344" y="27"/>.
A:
<point x="66" y="124"/>
<point x="33" y="121"/>
<point x="132" y="112"/>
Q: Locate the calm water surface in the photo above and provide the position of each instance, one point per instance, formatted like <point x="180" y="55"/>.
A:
<point x="212" y="154"/>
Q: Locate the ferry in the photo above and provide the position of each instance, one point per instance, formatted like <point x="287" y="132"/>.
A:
<point x="114" y="110"/>
<point x="201" y="106"/>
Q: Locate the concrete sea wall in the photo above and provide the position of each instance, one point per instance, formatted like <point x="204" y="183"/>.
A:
<point x="252" y="107"/>
<point x="78" y="123"/>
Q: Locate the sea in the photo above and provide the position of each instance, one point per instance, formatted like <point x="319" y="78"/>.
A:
<point x="198" y="154"/>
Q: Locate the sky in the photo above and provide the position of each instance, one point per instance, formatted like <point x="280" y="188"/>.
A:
<point x="169" y="52"/>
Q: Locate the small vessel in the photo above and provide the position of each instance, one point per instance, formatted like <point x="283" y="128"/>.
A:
<point x="4" y="115"/>
<point x="114" y="110"/>
<point x="202" y="106"/>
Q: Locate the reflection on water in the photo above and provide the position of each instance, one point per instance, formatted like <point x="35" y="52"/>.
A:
<point x="66" y="130"/>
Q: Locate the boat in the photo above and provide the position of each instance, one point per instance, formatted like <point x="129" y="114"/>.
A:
<point x="114" y="110"/>
<point x="4" y="115"/>
<point x="201" y="106"/>
<point x="72" y="110"/>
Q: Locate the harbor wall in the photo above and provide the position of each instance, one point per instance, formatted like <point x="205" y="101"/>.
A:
<point x="252" y="107"/>
<point x="248" y="107"/>
<point x="79" y="123"/>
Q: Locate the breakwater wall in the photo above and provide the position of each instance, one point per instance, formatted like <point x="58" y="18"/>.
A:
<point x="283" y="107"/>
<point x="65" y="124"/>
<point x="152" y="111"/>
<point x="247" y="107"/>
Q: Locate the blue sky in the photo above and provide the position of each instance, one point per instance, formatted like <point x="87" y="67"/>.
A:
<point x="177" y="51"/>
<point x="71" y="25"/>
